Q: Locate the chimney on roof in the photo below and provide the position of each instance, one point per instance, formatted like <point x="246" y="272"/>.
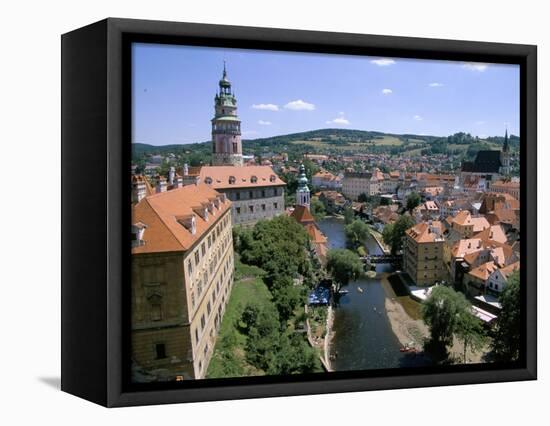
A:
<point x="161" y="184"/>
<point x="138" y="189"/>
<point x="178" y="181"/>
<point x="171" y="175"/>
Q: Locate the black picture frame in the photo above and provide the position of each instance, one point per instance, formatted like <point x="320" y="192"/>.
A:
<point x="96" y="199"/>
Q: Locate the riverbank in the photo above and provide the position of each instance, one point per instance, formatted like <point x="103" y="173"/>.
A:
<point x="408" y="331"/>
<point x="379" y="240"/>
<point x="321" y="340"/>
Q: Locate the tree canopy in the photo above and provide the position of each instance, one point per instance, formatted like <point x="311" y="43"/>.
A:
<point x="507" y="332"/>
<point x="279" y="246"/>
<point x="357" y="233"/>
<point x="448" y="314"/>
<point x="393" y="233"/>
<point x="344" y="266"/>
<point x="413" y="201"/>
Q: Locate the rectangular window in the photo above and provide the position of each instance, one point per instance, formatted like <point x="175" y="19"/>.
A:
<point x="203" y="322"/>
<point x="208" y="307"/>
<point x="203" y="249"/>
<point x="197" y="258"/>
<point x="160" y="350"/>
<point x="275" y="205"/>
<point x="263" y="193"/>
<point x="189" y="267"/>
<point x="263" y="207"/>
<point x="238" y="195"/>
<point x="251" y="209"/>
<point x="250" y="194"/>
<point x="196" y="335"/>
<point x="156" y="312"/>
<point x="209" y="241"/>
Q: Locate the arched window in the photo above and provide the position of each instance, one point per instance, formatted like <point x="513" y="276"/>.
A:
<point x="253" y="179"/>
<point x="231" y="180"/>
<point x="235" y="148"/>
<point x="272" y="178"/>
<point x="208" y="180"/>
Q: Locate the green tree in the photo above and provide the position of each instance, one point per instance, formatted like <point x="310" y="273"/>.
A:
<point x="445" y="312"/>
<point x="357" y="233"/>
<point x="294" y="356"/>
<point x="286" y="297"/>
<point x="344" y="266"/>
<point x="363" y="198"/>
<point x="393" y="233"/>
<point x="317" y="209"/>
<point x="413" y="201"/>
<point x="280" y="247"/>
<point x="470" y="332"/>
<point x="507" y="332"/>
<point x="349" y="215"/>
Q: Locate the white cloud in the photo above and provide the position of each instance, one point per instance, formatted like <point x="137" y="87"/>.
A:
<point x="417" y="118"/>
<point x="436" y="84"/>
<point x="266" y="107"/>
<point x="480" y="123"/>
<point x="475" y="66"/>
<point x="264" y="123"/>
<point x="340" y="120"/>
<point x="383" y="62"/>
<point x="299" y="104"/>
<point x="387" y="91"/>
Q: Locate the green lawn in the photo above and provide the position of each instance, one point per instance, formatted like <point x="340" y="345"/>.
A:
<point x="228" y="358"/>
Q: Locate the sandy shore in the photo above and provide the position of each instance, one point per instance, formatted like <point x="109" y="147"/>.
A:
<point x="409" y="332"/>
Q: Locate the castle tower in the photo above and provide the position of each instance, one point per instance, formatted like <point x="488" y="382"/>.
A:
<point x="505" y="156"/>
<point x="226" y="127"/>
<point x="302" y="193"/>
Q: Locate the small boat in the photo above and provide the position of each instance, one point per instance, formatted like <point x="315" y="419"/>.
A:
<point x="343" y="291"/>
<point x="408" y="349"/>
<point x="359" y="289"/>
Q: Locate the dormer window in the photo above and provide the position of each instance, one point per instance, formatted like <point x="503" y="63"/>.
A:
<point x="202" y="211"/>
<point x="138" y="229"/>
<point x="189" y="222"/>
<point x="231" y="180"/>
<point x="211" y="207"/>
<point x="208" y="180"/>
<point x="253" y="179"/>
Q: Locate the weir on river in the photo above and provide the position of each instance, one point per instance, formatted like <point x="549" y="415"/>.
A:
<point x="363" y="335"/>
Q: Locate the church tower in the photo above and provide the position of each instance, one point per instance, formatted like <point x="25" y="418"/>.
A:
<point x="505" y="156"/>
<point x="302" y="193"/>
<point x="226" y="127"/>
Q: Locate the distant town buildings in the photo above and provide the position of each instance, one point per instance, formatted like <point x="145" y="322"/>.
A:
<point x="182" y="272"/>
<point x="326" y="180"/>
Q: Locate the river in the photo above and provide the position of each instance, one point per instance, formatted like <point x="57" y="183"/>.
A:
<point x="363" y="338"/>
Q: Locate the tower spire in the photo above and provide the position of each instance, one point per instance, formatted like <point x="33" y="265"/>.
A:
<point x="302" y="192"/>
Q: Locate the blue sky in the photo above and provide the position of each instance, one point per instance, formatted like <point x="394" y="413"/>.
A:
<point x="281" y="92"/>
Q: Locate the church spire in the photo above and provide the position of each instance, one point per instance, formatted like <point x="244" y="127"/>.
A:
<point x="302" y="193"/>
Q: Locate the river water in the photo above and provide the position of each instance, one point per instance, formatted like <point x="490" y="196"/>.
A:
<point x="363" y="337"/>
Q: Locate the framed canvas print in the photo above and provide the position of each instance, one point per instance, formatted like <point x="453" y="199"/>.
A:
<point x="253" y="212"/>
